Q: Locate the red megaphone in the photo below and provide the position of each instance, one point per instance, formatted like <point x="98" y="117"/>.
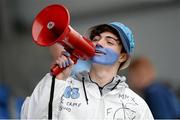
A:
<point x="51" y="25"/>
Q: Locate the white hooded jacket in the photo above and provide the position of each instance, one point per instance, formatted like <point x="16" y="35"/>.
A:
<point x="80" y="98"/>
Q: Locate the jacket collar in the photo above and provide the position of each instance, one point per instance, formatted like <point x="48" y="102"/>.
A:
<point x="117" y="81"/>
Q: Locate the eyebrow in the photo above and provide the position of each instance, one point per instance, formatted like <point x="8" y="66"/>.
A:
<point x="119" y="42"/>
<point x="112" y="38"/>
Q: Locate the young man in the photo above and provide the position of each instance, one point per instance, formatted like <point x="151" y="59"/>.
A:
<point x="98" y="94"/>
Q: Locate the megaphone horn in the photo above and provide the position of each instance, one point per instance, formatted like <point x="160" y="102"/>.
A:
<point x="51" y="25"/>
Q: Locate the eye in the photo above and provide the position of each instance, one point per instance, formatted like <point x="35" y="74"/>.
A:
<point x="111" y="41"/>
<point x="96" y="38"/>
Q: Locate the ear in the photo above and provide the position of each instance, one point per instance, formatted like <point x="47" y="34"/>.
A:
<point x="123" y="57"/>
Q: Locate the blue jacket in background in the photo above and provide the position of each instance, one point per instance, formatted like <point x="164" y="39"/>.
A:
<point x="162" y="101"/>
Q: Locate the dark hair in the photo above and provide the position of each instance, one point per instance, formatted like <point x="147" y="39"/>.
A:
<point x="97" y="30"/>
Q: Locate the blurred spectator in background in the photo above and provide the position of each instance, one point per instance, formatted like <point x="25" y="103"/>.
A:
<point x="10" y="105"/>
<point x="4" y="100"/>
<point x="160" y="98"/>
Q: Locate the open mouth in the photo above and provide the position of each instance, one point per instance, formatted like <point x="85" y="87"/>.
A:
<point x="98" y="52"/>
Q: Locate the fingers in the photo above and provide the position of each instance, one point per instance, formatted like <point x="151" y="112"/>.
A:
<point x="71" y="61"/>
<point x="64" y="61"/>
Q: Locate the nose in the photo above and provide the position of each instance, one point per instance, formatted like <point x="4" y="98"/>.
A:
<point x="100" y="43"/>
<point x="99" y="46"/>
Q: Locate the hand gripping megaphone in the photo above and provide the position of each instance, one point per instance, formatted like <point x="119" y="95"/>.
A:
<point x="51" y="25"/>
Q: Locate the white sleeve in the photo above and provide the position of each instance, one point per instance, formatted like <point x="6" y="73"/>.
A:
<point x="24" y="108"/>
<point x="147" y="115"/>
<point x="36" y="106"/>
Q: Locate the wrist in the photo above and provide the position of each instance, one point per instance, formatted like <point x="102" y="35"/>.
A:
<point x="61" y="77"/>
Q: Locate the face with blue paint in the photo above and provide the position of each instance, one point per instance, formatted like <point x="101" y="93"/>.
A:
<point x="108" y="48"/>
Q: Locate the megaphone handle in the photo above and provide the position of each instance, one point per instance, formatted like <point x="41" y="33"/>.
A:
<point x="55" y="70"/>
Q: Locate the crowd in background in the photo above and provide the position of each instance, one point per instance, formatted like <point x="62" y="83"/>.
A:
<point x="160" y="97"/>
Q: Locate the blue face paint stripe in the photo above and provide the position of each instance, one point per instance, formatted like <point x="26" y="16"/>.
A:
<point x="109" y="58"/>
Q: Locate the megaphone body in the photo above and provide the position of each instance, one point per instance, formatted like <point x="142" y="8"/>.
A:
<point x="51" y="26"/>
